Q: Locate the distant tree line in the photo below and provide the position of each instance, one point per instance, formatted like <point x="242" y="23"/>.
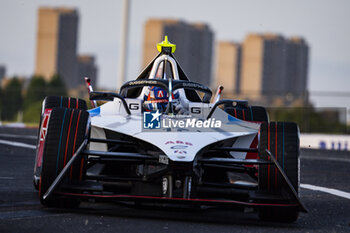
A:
<point x="312" y="120"/>
<point x="15" y="100"/>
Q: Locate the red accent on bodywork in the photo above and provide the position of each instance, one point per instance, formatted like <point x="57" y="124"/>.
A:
<point x="43" y="131"/>
<point x="254" y="145"/>
<point x="175" y="199"/>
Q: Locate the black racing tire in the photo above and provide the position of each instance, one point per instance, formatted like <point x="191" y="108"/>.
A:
<point x="64" y="102"/>
<point x="54" y="102"/>
<point x="282" y="140"/>
<point x="251" y="113"/>
<point x="67" y="129"/>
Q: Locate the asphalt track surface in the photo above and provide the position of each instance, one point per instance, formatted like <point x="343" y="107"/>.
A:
<point x="20" y="210"/>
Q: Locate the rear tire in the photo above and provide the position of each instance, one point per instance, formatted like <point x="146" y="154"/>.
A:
<point x="282" y="140"/>
<point x="51" y="102"/>
<point x="252" y="113"/>
<point x="67" y="129"/>
<point x="64" y="102"/>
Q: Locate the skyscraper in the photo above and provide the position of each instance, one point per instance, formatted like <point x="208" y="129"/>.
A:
<point x="273" y="67"/>
<point x="297" y="63"/>
<point x="56" y="51"/>
<point x="263" y="65"/>
<point x="193" y="46"/>
<point x="228" y="71"/>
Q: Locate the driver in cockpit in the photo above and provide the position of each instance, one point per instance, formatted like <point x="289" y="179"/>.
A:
<point x="156" y="98"/>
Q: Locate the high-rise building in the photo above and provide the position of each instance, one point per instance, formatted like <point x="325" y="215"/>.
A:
<point x="297" y="63"/>
<point x="2" y="72"/>
<point x="252" y="66"/>
<point x="56" y="51"/>
<point x="263" y="65"/>
<point x="87" y="68"/>
<point x="273" y="67"/>
<point x="228" y="68"/>
<point x="194" y="45"/>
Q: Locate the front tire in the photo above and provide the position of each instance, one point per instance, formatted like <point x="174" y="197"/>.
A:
<point x="67" y="129"/>
<point x="282" y="140"/>
<point x="49" y="103"/>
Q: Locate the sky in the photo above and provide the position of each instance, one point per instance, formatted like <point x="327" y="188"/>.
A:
<point x="323" y="24"/>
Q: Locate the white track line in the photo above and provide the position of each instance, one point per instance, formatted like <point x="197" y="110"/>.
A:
<point x="326" y="190"/>
<point x="18" y="144"/>
<point x="17" y="136"/>
<point x="6" y="178"/>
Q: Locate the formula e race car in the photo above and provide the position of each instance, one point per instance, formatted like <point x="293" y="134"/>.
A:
<point x="161" y="141"/>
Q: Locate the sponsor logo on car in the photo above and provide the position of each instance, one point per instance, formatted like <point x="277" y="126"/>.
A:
<point x="191" y="123"/>
<point x="155" y="120"/>
<point x="151" y="120"/>
<point x="179" y="142"/>
<point x="179" y="147"/>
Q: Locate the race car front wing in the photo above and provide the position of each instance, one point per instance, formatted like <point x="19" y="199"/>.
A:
<point x="255" y="200"/>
